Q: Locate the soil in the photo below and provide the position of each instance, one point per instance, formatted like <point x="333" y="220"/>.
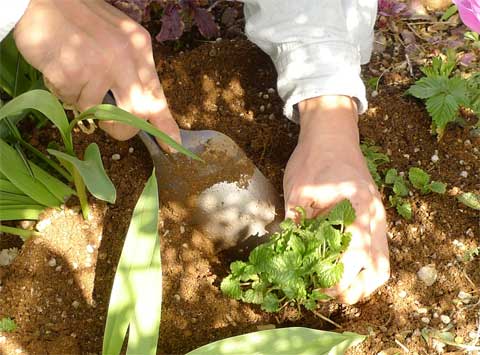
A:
<point x="57" y="289"/>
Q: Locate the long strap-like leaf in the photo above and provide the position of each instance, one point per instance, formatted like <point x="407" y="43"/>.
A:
<point x="136" y="293"/>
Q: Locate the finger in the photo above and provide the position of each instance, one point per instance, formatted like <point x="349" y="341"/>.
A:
<point x="365" y="284"/>
<point x="54" y="81"/>
<point x="158" y="112"/>
<point x="92" y="94"/>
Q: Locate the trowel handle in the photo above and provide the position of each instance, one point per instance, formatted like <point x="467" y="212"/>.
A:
<point x="150" y="143"/>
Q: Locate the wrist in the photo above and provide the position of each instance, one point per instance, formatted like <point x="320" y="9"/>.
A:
<point x="332" y="118"/>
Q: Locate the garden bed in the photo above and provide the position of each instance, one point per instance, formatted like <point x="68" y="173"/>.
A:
<point x="58" y="287"/>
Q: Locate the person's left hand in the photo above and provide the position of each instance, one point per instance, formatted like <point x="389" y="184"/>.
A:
<point x="326" y="167"/>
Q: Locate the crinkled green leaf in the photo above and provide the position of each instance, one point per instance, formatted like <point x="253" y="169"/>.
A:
<point x="329" y="274"/>
<point x="404" y="209"/>
<point x="283" y="341"/>
<point x="333" y="237"/>
<point x="400" y="187"/>
<point x="260" y="257"/>
<point x="438" y="187"/>
<point x="391" y="176"/>
<point x="230" y="286"/>
<point x="252" y="296"/>
<point x="237" y="267"/>
<point x="319" y="296"/>
<point x="443" y="108"/>
<point x="418" y="177"/>
<point x="92" y="172"/>
<point x="427" y="87"/>
<point x="470" y="199"/>
<point x="343" y="213"/>
<point x="270" y="303"/>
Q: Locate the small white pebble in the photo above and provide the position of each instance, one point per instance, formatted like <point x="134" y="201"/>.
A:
<point x="416" y="150"/>
<point x="435" y="315"/>
<point x="131" y="150"/>
<point x="422" y="310"/>
<point x="75" y="265"/>
<point x="262" y="108"/>
<point x="58" y="268"/>
<point x="182" y="229"/>
<point x="2" y="339"/>
<point x="7" y="256"/>
<point x="467" y="142"/>
<point x="445" y="319"/>
<point x="43" y="224"/>
<point x="271" y="91"/>
<point x="428" y="274"/>
<point x="465" y="297"/>
<point x="266" y="97"/>
<point x="90" y="249"/>
<point x="374" y="93"/>
<point x="402" y="294"/>
<point x="75" y="304"/>
<point x="425" y="320"/>
<point x="52" y="262"/>
<point x="116" y="156"/>
<point x="406" y="156"/>
<point x="464" y="174"/>
<point x="176" y="297"/>
<point x="434" y="158"/>
<point x="271" y="116"/>
<point x="18" y="351"/>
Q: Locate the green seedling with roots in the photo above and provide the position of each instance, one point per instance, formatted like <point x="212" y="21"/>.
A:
<point x="421" y="181"/>
<point x="296" y="265"/>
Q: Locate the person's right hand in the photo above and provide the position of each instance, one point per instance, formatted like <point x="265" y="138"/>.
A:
<point x="84" y="48"/>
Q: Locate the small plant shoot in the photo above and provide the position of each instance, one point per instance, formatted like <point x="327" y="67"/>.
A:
<point x="421" y="181"/>
<point x="7" y="325"/>
<point x="400" y="191"/>
<point x="374" y="159"/>
<point x="296" y="265"/>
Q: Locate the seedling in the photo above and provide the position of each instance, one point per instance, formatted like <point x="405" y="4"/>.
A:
<point x="470" y="199"/>
<point x="374" y="159"/>
<point x="296" y="265"/>
<point x="444" y="94"/>
<point x="7" y="325"/>
<point x="400" y="191"/>
<point x="421" y="181"/>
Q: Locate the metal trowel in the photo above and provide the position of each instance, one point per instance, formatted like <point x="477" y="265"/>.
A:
<point x="227" y="197"/>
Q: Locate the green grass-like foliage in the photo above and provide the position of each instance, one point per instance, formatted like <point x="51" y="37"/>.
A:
<point x="296" y="265"/>
<point x="136" y="298"/>
<point x="285" y="341"/>
<point x="444" y="94"/>
<point x="7" y="325"/>
<point x="374" y="158"/>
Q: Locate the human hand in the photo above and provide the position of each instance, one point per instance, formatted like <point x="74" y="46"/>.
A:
<point x="326" y="167"/>
<point x="85" y="48"/>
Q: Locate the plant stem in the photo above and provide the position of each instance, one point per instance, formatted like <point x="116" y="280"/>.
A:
<point x="22" y="233"/>
<point x="81" y="193"/>
<point x="326" y="319"/>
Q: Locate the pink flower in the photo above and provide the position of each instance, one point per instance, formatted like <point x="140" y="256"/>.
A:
<point x="470" y="13"/>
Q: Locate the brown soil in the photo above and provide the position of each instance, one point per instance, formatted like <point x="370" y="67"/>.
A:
<point x="224" y="86"/>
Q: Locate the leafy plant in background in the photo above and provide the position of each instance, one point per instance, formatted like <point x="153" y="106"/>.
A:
<point x="374" y="159"/>
<point x="421" y="181"/>
<point x="7" y="325"/>
<point x="443" y="93"/>
<point x="400" y="191"/>
<point x="296" y="265"/>
<point x="173" y="14"/>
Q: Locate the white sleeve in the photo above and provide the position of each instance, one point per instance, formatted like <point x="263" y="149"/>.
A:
<point x="10" y="14"/>
<point x="317" y="46"/>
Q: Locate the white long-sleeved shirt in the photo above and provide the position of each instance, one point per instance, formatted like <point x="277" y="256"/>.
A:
<point x="317" y="46"/>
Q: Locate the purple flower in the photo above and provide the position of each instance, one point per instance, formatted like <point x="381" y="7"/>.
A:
<point x="470" y="13"/>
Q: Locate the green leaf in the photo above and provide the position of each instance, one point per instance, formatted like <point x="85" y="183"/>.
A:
<point x="443" y="108"/>
<point x="61" y="191"/>
<point x="47" y="104"/>
<point x="296" y="244"/>
<point x="7" y="186"/>
<point x="106" y="112"/>
<point x="20" y="212"/>
<point x="333" y="237"/>
<point x="237" y="267"/>
<point x="230" y="286"/>
<point x="14" y="169"/>
<point x="400" y="187"/>
<point x="329" y="274"/>
<point x="391" y="176"/>
<point x="319" y="296"/>
<point x="260" y="257"/>
<point x="404" y="209"/>
<point x="92" y="172"/>
<point x="16" y="199"/>
<point x="427" y="87"/>
<point x="7" y="325"/>
<point x="136" y="296"/>
<point x="283" y="341"/>
<point x="452" y="10"/>
<point x="470" y="199"/>
<point x="270" y="303"/>
<point x="343" y="213"/>
<point x="252" y="296"/>
<point x="418" y="177"/>
<point x="438" y="187"/>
